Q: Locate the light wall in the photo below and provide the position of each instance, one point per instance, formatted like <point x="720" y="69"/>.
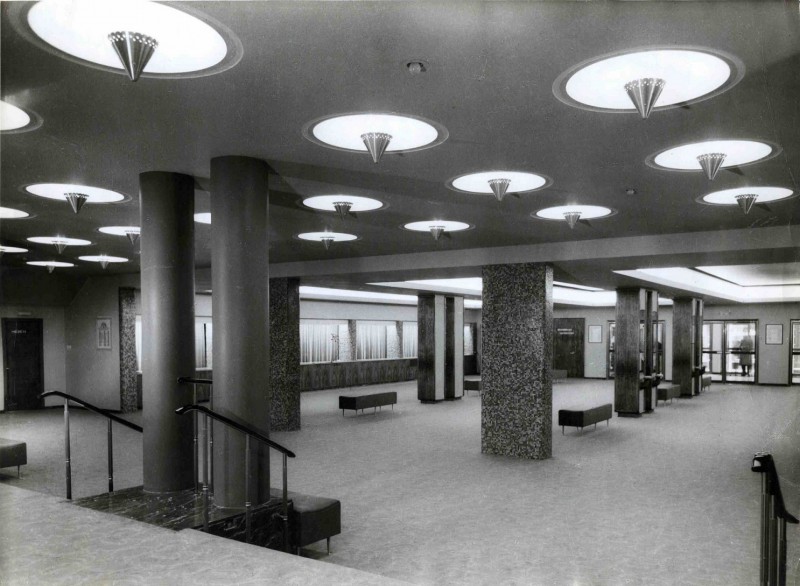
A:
<point x="53" y="351"/>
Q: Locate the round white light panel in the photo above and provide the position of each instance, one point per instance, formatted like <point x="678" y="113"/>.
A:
<point x="12" y="214"/>
<point x="728" y="196"/>
<point x="359" y="204"/>
<point x="59" y="191"/>
<point x="587" y="212"/>
<point x="344" y="132"/>
<point x="688" y="75"/>
<point x="12" y="249"/>
<point x="102" y="258"/>
<point x="479" y="182"/>
<point x="737" y="152"/>
<point x="59" y="239"/>
<point x="335" y="236"/>
<point x="81" y="29"/>
<point x="119" y="230"/>
<point x="203" y="218"/>
<point x="448" y="225"/>
<point x="49" y="263"/>
<point x="12" y="118"/>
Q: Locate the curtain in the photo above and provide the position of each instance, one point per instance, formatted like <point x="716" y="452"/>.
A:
<point x="370" y="341"/>
<point x="319" y="342"/>
<point x="409" y="339"/>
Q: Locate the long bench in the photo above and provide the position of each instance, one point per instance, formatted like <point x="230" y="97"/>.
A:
<point x="559" y="375"/>
<point x="582" y="418"/>
<point x="375" y="400"/>
<point x="667" y="393"/>
<point x="472" y="383"/>
<point x="13" y="453"/>
<point x="312" y="519"/>
<point x="705" y="382"/>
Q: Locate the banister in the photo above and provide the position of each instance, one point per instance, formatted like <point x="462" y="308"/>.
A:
<point x="238" y="426"/>
<point x="763" y="463"/>
<point x="90" y="407"/>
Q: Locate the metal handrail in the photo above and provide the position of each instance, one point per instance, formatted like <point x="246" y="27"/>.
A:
<point x="774" y="517"/>
<point x="249" y="432"/>
<point x="100" y="411"/>
<point x="208" y="436"/>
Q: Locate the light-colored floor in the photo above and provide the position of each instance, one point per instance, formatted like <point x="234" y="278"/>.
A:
<point x="668" y="498"/>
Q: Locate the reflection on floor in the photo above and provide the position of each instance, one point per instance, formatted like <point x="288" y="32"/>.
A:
<point x="668" y="498"/>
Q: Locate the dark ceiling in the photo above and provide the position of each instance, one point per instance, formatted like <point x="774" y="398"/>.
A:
<point x="491" y="68"/>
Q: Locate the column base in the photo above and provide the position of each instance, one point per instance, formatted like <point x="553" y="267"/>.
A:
<point x="431" y="401"/>
<point x="453" y="398"/>
<point x="621" y="414"/>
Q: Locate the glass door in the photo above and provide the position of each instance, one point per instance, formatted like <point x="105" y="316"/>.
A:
<point x="795" y="350"/>
<point x="610" y="352"/>
<point x="712" y="349"/>
<point x="740" y="351"/>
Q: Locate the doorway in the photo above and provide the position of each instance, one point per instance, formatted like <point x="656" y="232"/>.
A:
<point x="568" y="345"/>
<point x="24" y="363"/>
<point x="794" y="348"/>
<point x="730" y="350"/>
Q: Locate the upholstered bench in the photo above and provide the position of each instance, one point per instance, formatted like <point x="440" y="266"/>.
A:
<point x="312" y="519"/>
<point x="362" y="402"/>
<point x="472" y="384"/>
<point x="667" y="392"/>
<point x="582" y="418"/>
<point x="705" y="382"/>
<point x="13" y="453"/>
<point x="559" y="376"/>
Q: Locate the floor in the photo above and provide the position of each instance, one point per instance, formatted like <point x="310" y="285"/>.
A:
<point x="667" y="498"/>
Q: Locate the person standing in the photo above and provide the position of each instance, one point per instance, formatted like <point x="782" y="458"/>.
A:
<point x="746" y="347"/>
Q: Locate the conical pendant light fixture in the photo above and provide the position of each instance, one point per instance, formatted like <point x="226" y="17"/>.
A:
<point x="103" y="262"/>
<point x="376" y="143"/>
<point x="572" y="218"/>
<point x="326" y="241"/>
<point x="644" y="93"/>
<point x="711" y="163"/>
<point x="746" y="201"/>
<point x="51" y="268"/>
<point x="76" y="200"/>
<point x="133" y="236"/>
<point x="60" y="245"/>
<point x="499" y="187"/>
<point x="134" y="51"/>
<point x="437" y="231"/>
<point x="343" y="208"/>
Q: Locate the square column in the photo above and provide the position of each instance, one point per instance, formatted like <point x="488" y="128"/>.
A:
<point x="431" y="328"/>
<point x="454" y="346"/>
<point x="284" y="353"/>
<point x="634" y="351"/>
<point x="687" y="344"/>
<point x="517" y="351"/>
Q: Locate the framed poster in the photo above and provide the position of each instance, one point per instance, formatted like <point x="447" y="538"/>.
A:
<point x="774" y="334"/>
<point x="595" y="334"/>
<point x="103" y="333"/>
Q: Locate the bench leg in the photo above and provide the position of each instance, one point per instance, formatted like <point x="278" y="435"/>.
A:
<point x="18" y="476"/>
<point x="329" y="546"/>
<point x="562" y="430"/>
<point x="595" y="426"/>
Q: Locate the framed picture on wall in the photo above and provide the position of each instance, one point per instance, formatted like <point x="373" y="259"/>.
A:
<point x="103" y="333"/>
<point x="595" y="334"/>
<point x="774" y="334"/>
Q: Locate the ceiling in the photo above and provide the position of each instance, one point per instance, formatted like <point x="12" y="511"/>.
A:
<point x="490" y="72"/>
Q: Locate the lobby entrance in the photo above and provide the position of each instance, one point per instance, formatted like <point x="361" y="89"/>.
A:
<point x="730" y="350"/>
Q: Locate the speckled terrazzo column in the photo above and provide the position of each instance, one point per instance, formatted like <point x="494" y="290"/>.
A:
<point x="240" y="310"/>
<point x="284" y="362"/>
<point x="127" y="350"/>
<point x="517" y="349"/>
<point x="352" y="334"/>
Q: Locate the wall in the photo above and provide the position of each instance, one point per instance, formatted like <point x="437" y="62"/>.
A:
<point x="54" y="347"/>
<point x="313" y="309"/>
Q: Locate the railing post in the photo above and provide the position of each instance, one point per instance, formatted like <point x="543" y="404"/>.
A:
<point x="205" y="474"/>
<point x="285" y="504"/>
<point x="764" y="573"/>
<point x="110" y="458"/>
<point x="247" y="486"/>
<point x="196" y="445"/>
<point x="66" y="449"/>
<point x="781" y="552"/>
<point x="773" y="542"/>
<point x="211" y="441"/>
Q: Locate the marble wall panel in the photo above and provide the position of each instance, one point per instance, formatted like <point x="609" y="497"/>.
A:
<point x="517" y="348"/>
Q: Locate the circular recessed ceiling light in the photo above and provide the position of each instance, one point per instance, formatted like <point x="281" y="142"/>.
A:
<point x="498" y="182"/>
<point x="178" y="42"/>
<point x="103" y="259"/>
<point x="11" y="249"/>
<point x="436" y="227"/>
<point x="343" y="204"/>
<point x="375" y="133"/>
<point x="131" y="232"/>
<point x="671" y="77"/>
<point x="572" y="213"/>
<point x="60" y="242"/>
<point x="76" y="195"/>
<point x="12" y="118"/>
<point x="12" y="214"/>
<point x="203" y="218"/>
<point x="745" y="197"/>
<point x="712" y="155"/>
<point x="327" y="237"/>
<point x="50" y="264"/>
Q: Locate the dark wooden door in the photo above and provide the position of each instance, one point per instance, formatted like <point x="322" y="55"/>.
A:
<point x="23" y="361"/>
<point x="568" y="345"/>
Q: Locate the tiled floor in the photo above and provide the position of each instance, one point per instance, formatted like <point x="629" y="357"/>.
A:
<point x="664" y="499"/>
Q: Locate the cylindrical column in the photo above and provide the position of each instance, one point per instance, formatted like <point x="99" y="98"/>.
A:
<point x="240" y="306"/>
<point x="167" y="220"/>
